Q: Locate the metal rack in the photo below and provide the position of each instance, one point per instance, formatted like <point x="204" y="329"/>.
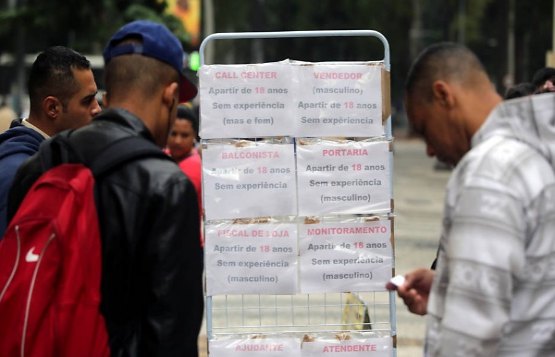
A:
<point x="247" y="314"/>
<point x="228" y="315"/>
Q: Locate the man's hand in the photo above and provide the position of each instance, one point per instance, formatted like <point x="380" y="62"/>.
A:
<point x="415" y="290"/>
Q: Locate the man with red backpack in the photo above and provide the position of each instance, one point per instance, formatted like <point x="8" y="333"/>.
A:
<point x="151" y="281"/>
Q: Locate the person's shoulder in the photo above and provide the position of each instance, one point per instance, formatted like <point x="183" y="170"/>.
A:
<point x="509" y="162"/>
<point x="19" y="141"/>
<point x="159" y="169"/>
<point x="191" y="160"/>
<point x="20" y="133"/>
<point x="508" y="154"/>
<point x="150" y="171"/>
<point x="151" y="178"/>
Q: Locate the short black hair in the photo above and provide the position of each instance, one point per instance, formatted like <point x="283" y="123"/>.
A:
<point x="541" y="76"/>
<point x="444" y="60"/>
<point x="186" y="113"/>
<point x="519" y="90"/>
<point x="51" y="74"/>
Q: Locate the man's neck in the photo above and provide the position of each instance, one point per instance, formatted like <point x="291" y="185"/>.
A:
<point x="32" y="124"/>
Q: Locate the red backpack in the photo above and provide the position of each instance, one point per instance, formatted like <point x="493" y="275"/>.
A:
<point x="50" y="257"/>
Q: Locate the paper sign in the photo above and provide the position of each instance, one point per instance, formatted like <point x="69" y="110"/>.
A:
<point x="375" y="347"/>
<point x="341" y="257"/>
<point x="343" y="178"/>
<point x="338" y="100"/>
<point x="249" y="181"/>
<point x="245" y="101"/>
<point x="251" y="258"/>
<point x="259" y="347"/>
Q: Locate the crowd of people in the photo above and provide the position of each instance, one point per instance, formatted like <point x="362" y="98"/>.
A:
<point x="490" y="290"/>
<point x="152" y="263"/>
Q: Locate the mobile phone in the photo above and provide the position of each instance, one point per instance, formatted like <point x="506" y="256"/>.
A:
<point x="397" y="280"/>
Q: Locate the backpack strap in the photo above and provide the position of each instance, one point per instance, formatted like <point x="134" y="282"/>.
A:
<point x="64" y="148"/>
<point x="57" y="150"/>
<point x="124" y="150"/>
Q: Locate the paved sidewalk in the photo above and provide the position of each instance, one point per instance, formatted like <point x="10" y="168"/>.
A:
<point x="418" y="193"/>
<point x="418" y="199"/>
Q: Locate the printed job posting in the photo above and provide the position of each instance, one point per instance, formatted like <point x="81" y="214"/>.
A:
<point x="250" y="180"/>
<point x="256" y="347"/>
<point x="370" y="347"/>
<point x="338" y="100"/>
<point x="251" y="258"/>
<point x="342" y="257"/>
<point x="343" y="177"/>
<point x="245" y="101"/>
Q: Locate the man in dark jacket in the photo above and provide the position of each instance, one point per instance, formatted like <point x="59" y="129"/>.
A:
<point x="62" y="95"/>
<point x="151" y="285"/>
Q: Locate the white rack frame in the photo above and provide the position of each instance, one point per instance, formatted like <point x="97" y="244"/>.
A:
<point x="270" y="311"/>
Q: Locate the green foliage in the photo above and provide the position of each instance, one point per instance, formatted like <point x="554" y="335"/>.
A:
<point x="8" y="19"/>
<point x="81" y="24"/>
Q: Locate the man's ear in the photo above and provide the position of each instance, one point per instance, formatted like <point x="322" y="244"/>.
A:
<point x="170" y="93"/>
<point x="443" y="93"/>
<point x="52" y="107"/>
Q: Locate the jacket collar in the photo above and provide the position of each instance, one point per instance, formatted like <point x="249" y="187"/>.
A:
<point x="125" y="118"/>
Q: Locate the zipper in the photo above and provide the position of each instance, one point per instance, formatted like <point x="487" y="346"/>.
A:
<point x="30" y="295"/>
<point x="14" y="269"/>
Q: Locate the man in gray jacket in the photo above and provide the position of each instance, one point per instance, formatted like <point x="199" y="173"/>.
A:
<point x="493" y="291"/>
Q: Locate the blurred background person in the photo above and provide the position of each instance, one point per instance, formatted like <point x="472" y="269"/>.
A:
<point x="182" y="147"/>
<point x="544" y="80"/>
<point x="6" y="115"/>
<point x="519" y="90"/>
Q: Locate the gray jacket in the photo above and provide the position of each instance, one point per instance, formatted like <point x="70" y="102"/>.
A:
<point x="494" y="288"/>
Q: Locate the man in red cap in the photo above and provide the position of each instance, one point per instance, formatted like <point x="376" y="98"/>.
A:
<point x="151" y="284"/>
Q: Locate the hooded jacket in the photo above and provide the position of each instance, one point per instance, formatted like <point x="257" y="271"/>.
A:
<point x="494" y="287"/>
<point x="16" y="145"/>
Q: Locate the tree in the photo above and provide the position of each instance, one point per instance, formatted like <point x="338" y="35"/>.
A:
<point x="29" y="26"/>
<point x="81" y="24"/>
<point x="480" y="24"/>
